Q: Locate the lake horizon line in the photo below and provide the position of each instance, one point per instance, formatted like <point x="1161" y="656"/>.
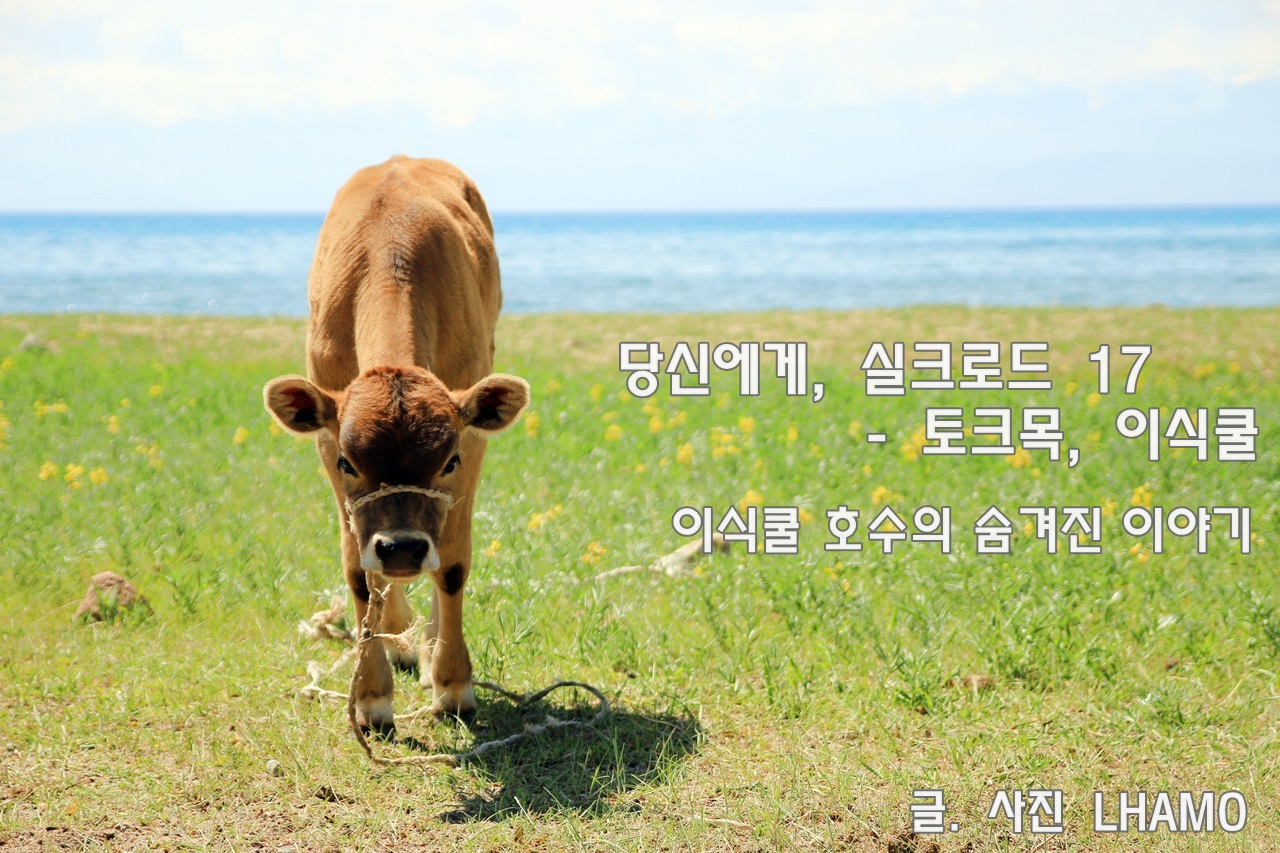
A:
<point x="1136" y="207"/>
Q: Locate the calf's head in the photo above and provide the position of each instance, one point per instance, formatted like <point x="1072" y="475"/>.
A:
<point x="393" y="446"/>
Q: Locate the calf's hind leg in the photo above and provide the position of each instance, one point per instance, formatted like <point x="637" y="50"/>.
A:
<point x="397" y="614"/>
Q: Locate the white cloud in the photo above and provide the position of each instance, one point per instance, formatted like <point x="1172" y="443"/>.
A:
<point x="162" y="63"/>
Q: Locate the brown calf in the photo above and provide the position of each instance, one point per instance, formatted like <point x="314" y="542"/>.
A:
<point x="404" y="297"/>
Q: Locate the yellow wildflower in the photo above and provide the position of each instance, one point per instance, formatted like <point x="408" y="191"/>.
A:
<point x="1021" y="458"/>
<point x="539" y="519"/>
<point x="656" y="423"/>
<point x="7" y="364"/>
<point x="724" y="449"/>
<point x="1203" y="370"/>
<point x="912" y="446"/>
<point x="746" y="425"/>
<point x="98" y="476"/>
<point x="1233" y="367"/>
<point x="640" y="468"/>
<point x="156" y="390"/>
<point x="531" y="423"/>
<point x="113" y="424"/>
<point x="882" y="495"/>
<point x="274" y="428"/>
<point x="677" y="419"/>
<point x="613" y="433"/>
<point x="1093" y="400"/>
<point x="792" y="434"/>
<point x="597" y="391"/>
<point x="1108" y="507"/>
<point x="1142" y="496"/>
<point x="494" y="547"/>
<point x="551" y="386"/>
<point x="805" y="516"/>
<point x="751" y="498"/>
<point x="1072" y="387"/>
<point x="609" y="417"/>
<point x="48" y="471"/>
<point x="855" y="430"/>
<point x="684" y="455"/>
<point x="73" y="472"/>
<point x="240" y="436"/>
<point x="595" y="553"/>
<point x="1095" y="436"/>
<point x="124" y="403"/>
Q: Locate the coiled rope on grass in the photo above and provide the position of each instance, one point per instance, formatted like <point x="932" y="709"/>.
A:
<point x="373" y="615"/>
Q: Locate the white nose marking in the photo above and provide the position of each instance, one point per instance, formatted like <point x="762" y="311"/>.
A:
<point x="386" y="544"/>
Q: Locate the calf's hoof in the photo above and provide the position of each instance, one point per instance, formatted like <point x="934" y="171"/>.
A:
<point x="375" y="717"/>
<point x="454" y="700"/>
<point x="405" y="662"/>
<point x="385" y="731"/>
<point x="466" y="718"/>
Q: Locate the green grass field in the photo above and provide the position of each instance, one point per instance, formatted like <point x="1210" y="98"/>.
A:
<point x="766" y="702"/>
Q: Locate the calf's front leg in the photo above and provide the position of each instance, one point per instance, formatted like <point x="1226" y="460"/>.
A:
<point x="375" y="686"/>
<point x="444" y="660"/>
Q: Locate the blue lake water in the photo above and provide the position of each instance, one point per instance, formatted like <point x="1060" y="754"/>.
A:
<point x="257" y="263"/>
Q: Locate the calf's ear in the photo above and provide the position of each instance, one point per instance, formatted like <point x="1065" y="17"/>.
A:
<point x="299" y="406"/>
<point x="493" y="403"/>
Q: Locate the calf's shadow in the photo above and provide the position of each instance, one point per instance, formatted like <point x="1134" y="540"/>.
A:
<point x="586" y="769"/>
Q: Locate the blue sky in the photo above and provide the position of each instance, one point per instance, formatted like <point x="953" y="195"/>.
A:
<point x="642" y="105"/>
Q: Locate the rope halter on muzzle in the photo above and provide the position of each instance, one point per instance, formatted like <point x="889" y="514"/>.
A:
<point x="386" y="490"/>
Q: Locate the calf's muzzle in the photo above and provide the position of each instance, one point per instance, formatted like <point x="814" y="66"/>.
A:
<point x="399" y="554"/>
<point x="403" y="552"/>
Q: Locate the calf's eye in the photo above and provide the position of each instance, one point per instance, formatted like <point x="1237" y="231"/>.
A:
<point x="453" y="463"/>
<point x="345" y="467"/>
